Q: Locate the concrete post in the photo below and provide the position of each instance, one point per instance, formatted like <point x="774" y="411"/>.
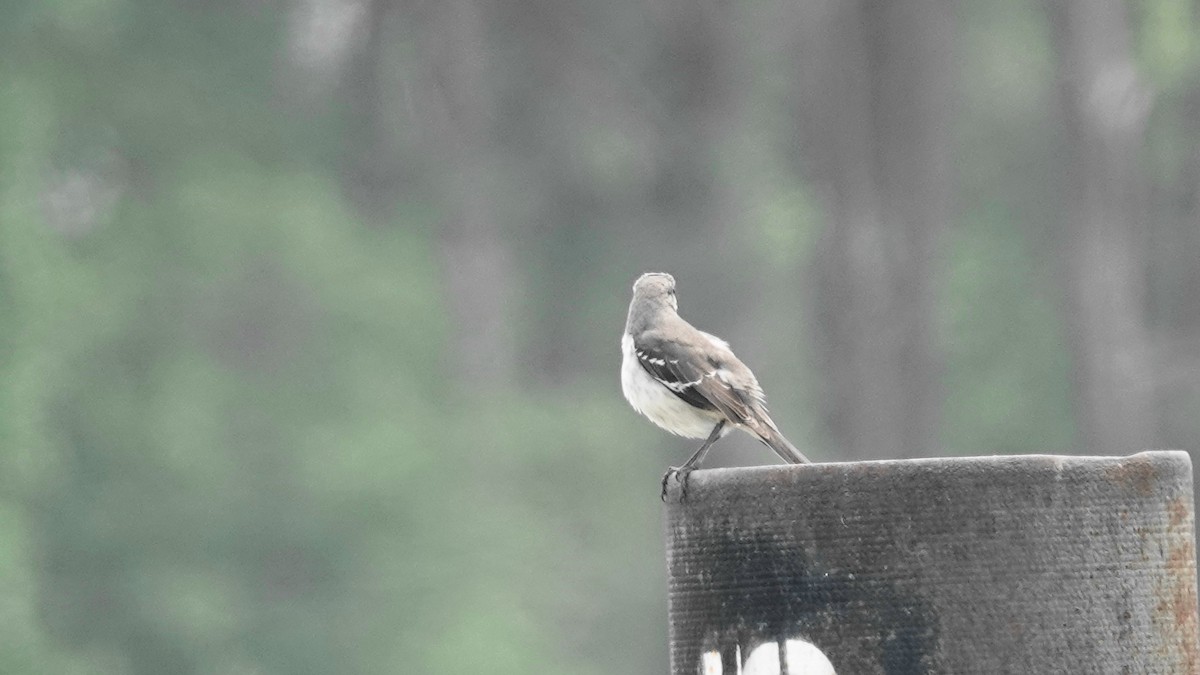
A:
<point x="1026" y="564"/>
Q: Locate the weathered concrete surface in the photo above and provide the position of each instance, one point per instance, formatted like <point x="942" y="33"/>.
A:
<point x="1026" y="564"/>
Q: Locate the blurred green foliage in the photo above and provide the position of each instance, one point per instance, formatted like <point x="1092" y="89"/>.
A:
<point x="228" y="443"/>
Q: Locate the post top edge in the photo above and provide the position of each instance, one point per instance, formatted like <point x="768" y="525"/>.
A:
<point x="1168" y="461"/>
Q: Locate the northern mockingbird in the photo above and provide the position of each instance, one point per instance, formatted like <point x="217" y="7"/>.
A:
<point x="687" y="381"/>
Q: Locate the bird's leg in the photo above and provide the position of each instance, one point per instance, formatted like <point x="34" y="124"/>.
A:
<point x="698" y="456"/>
<point x="690" y="465"/>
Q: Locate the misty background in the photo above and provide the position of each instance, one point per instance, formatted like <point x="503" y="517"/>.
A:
<point x="310" y="309"/>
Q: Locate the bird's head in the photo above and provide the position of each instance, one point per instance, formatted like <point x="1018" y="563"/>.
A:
<point x="656" y="288"/>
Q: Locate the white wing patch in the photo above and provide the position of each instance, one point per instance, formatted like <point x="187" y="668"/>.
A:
<point x="650" y="359"/>
<point x="677" y="387"/>
<point x="652" y="398"/>
<point x="680" y="386"/>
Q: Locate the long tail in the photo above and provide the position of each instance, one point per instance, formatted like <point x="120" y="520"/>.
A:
<point x="784" y="448"/>
<point x="763" y="427"/>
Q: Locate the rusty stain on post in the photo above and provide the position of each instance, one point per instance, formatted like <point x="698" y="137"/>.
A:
<point x="965" y="565"/>
<point x="1177" y="606"/>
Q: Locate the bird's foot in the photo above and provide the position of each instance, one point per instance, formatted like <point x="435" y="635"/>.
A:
<point x="681" y="474"/>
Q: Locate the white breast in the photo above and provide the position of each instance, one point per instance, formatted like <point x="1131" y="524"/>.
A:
<point x="649" y="397"/>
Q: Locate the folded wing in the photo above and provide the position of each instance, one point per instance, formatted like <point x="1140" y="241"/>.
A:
<point x="705" y="375"/>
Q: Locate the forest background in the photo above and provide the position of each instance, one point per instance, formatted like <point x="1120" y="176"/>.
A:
<point x="310" y="309"/>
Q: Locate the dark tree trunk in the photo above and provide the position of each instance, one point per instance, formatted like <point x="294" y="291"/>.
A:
<point x="478" y="269"/>
<point x="442" y="110"/>
<point x="371" y="170"/>
<point x="876" y="100"/>
<point x="1104" y="107"/>
<point x="702" y="189"/>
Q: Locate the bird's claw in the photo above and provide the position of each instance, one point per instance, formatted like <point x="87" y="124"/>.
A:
<point x="681" y="473"/>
